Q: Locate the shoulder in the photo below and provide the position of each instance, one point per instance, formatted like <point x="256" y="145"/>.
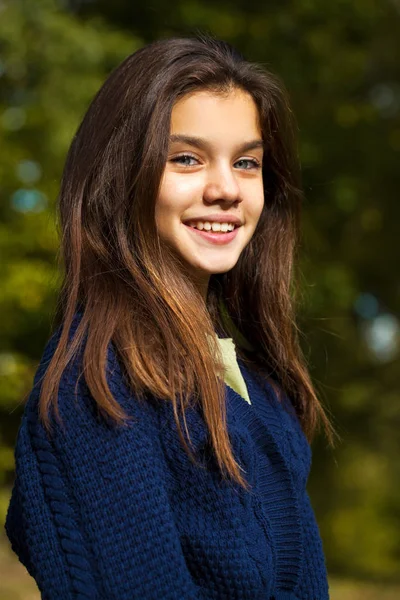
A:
<point x="77" y="408"/>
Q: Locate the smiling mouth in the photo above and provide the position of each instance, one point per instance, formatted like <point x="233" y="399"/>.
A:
<point x="212" y="227"/>
<point x="215" y="237"/>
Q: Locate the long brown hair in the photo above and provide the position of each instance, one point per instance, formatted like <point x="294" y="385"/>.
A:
<point x="132" y="291"/>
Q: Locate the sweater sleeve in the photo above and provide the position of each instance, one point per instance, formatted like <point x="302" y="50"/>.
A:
<point x="89" y="515"/>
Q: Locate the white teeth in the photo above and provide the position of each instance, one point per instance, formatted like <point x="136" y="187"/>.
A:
<point x="207" y="226"/>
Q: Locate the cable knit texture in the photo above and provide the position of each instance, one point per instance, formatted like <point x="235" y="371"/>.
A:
<point x="122" y="513"/>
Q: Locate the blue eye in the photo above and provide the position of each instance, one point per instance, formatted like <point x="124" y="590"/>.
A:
<point x="254" y="164"/>
<point x="182" y="158"/>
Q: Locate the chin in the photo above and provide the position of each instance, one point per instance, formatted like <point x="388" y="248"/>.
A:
<point x="216" y="269"/>
<point x="214" y="265"/>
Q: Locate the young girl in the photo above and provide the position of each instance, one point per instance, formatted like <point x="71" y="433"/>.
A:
<point x="164" y="449"/>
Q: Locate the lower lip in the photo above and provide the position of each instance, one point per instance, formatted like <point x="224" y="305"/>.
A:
<point x="215" y="237"/>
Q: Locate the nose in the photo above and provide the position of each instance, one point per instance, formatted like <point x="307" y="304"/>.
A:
<point x="222" y="185"/>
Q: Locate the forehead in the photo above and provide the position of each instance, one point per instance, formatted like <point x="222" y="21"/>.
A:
<point x="210" y="114"/>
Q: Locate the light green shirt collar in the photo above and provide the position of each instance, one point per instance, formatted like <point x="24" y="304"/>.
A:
<point x="232" y="373"/>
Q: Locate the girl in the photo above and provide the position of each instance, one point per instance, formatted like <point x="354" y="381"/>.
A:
<point x="164" y="449"/>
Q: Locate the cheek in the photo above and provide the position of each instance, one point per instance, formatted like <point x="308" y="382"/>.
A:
<point x="176" y="194"/>
<point x="255" y="205"/>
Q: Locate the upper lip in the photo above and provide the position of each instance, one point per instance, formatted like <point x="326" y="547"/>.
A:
<point x="216" y="218"/>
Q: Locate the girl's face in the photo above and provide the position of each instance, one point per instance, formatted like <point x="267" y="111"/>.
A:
<point x="211" y="193"/>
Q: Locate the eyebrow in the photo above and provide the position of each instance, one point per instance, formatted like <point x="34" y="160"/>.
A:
<point x="202" y="144"/>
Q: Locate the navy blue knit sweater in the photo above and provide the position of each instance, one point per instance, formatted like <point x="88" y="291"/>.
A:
<point x="122" y="513"/>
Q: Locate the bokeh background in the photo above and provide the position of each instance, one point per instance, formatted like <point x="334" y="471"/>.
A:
<point x="340" y="61"/>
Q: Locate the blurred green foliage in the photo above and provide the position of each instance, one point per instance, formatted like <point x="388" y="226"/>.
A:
<point x="340" y="63"/>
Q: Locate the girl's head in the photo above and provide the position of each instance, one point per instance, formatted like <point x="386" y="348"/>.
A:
<point x="135" y="188"/>
<point x="212" y="180"/>
<point x="184" y="132"/>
